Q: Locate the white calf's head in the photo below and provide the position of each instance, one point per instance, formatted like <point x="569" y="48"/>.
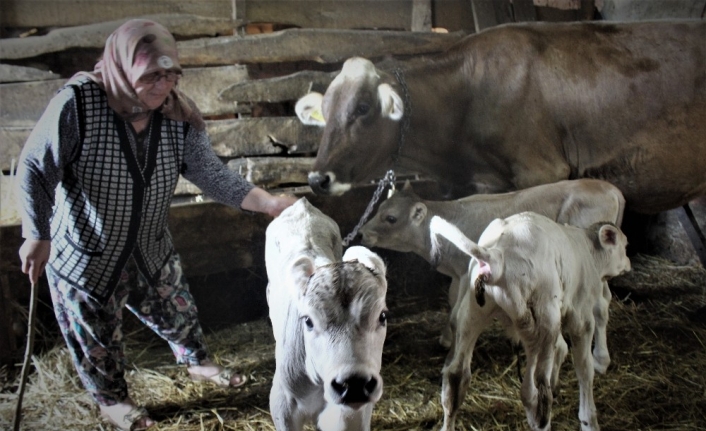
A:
<point x="609" y="249"/>
<point x="343" y="315"/>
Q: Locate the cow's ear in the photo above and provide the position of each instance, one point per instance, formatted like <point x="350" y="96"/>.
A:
<point x="608" y="235"/>
<point x="418" y="213"/>
<point x="300" y="272"/>
<point x="368" y="258"/>
<point x="391" y="105"/>
<point x="308" y="109"/>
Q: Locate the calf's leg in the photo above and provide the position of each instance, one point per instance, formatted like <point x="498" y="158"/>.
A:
<point x="536" y="391"/>
<point x="283" y="408"/>
<point x="601" y="356"/>
<point x="471" y="321"/>
<point x="560" y="352"/>
<point x="583" y="363"/>
<point x="455" y="296"/>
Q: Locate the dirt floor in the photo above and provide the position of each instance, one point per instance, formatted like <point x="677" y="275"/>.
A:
<point x="656" y="381"/>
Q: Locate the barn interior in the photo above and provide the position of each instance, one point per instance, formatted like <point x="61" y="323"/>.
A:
<point x="246" y="62"/>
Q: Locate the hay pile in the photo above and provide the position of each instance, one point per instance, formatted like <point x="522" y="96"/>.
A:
<point x="655" y="382"/>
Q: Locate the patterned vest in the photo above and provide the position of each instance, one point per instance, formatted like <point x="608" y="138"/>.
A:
<point x="108" y="208"/>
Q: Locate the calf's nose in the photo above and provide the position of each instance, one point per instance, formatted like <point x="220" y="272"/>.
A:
<point x="320" y="183"/>
<point x="355" y="389"/>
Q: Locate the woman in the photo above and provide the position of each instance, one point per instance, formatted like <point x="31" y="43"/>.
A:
<point x="97" y="175"/>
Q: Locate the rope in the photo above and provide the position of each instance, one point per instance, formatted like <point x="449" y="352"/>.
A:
<point x="27" y="358"/>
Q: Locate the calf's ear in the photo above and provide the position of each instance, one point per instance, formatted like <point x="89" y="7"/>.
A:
<point x="299" y="273"/>
<point x="418" y="213"/>
<point x="308" y="109"/>
<point x="608" y="235"/>
<point x="391" y="105"/>
<point x="368" y="258"/>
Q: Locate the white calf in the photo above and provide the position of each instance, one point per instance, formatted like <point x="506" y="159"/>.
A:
<point x="329" y="320"/>
<point x="536" y="274"/>
<point x="402" y="224"/>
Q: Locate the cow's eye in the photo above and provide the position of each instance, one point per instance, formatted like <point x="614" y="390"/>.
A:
<point x="362" y="109"/>
<point x="391" y="219"/>
<point x="309" y="324"/>
<point x="383" y="318"/>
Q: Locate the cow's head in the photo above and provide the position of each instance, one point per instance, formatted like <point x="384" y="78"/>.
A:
<point x="399" y="224"/>
<point x="360" y="114"/>
<point x="344" y="320"/>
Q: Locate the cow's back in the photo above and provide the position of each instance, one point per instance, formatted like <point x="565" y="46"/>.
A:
<point x="624" y="102"/>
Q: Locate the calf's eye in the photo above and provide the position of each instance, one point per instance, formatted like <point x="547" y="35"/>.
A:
<point x="309" y="324"/>
<point x="391" y="219"/>
<point x="383" y="318"/>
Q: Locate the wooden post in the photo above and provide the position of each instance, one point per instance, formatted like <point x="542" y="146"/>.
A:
<point x="523" y="11"/>
<point x="489" y="13"/>
<point x="421" y="15"/>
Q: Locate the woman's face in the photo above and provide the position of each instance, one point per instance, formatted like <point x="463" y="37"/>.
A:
<point x="153" y="88"/>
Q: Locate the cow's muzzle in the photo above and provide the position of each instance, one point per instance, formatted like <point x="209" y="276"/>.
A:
<point x="324" y="183"/>
<point x="355" y="390"/>
<point x="320" y="183"/>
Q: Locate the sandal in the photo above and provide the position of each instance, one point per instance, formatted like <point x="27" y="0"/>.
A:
<point x="131" y="420"/>
<point x="223" y="379"/>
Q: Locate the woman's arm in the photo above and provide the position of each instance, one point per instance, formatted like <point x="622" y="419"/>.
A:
<point x="53" y="142"/>
<point x="212" y="176"/>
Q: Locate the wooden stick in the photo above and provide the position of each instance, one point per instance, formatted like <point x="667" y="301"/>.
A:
<point x="28" y="356"/>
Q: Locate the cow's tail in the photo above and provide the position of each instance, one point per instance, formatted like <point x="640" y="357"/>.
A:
<point x="440" y="227"/>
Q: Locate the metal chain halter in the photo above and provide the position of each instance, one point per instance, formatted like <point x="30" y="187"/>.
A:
<point x="389" y="178"/>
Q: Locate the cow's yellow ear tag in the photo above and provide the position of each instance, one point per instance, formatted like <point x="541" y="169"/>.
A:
<point x="316" y="115"/>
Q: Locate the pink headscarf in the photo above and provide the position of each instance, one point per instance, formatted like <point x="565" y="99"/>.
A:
<point x="136" y="48"/>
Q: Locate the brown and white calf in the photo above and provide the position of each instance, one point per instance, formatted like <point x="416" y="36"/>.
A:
<point x="402" y="224"/>
<point x="543" y="278"/>
<point x="329" y="316"/>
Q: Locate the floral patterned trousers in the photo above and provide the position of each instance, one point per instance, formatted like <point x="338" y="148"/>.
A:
<point x="93" y="331"/>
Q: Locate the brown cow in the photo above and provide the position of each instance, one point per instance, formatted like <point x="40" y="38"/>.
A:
<point x="525" y="104"/>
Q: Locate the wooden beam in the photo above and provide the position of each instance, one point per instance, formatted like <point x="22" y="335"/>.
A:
<point x="272" y="172"/>
<point x="358" y="14"/>
<point x="229" y="138"/>
<point x="204" y="85"/>
<point x="323" y="46"/>
<point x="284" y="88"/>
<point x="23" y="103"/>
<point x="94" y="35"/>
<point x="12" y="139"/>
<point x="10" y="73"/>
<point x="263" y="136"/>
